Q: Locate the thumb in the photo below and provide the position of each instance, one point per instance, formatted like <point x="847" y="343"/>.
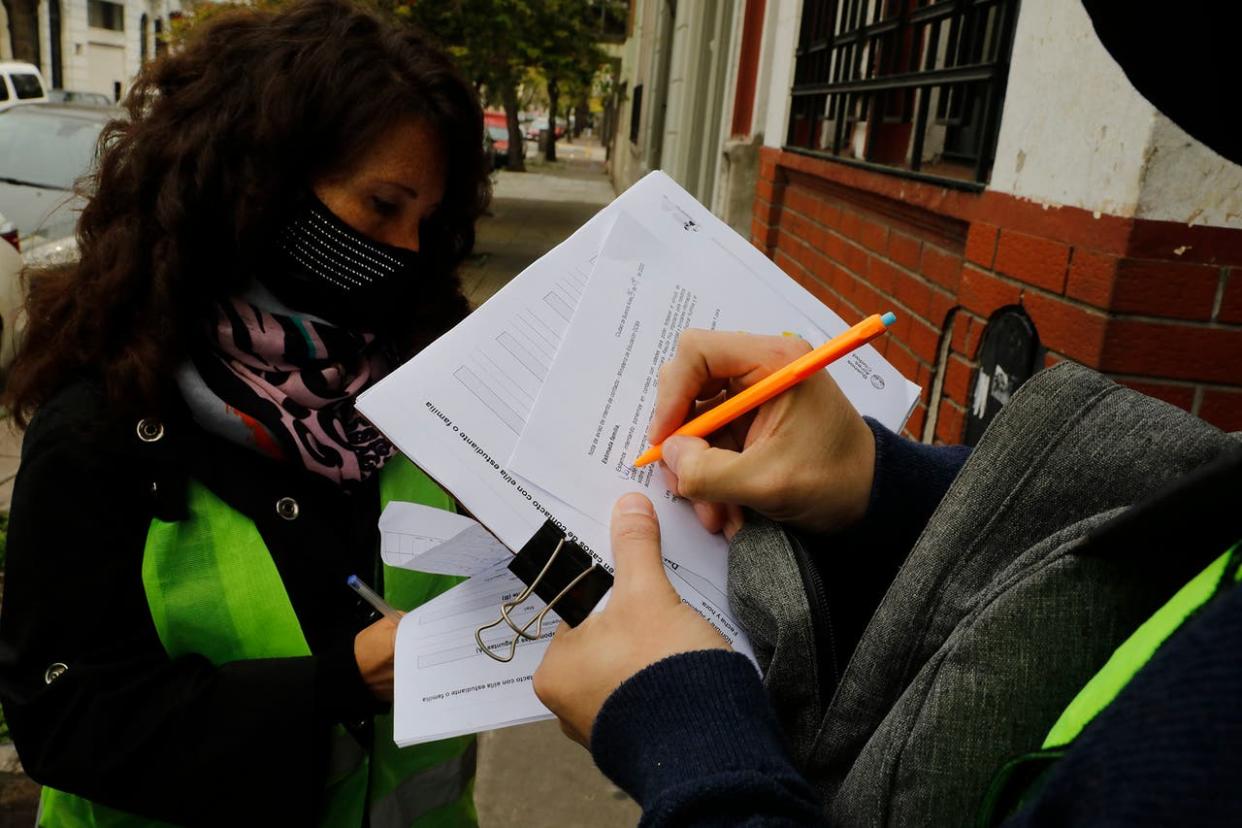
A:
<point x="636" y="549"/>
<point x="703" y="472"/>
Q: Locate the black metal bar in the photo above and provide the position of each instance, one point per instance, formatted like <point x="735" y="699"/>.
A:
<point x="951" y="183"/>
<point x="957" y="74"/>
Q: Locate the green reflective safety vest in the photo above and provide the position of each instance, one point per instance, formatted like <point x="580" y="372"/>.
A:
<point x="1020" y="777"/>
<point x="213" y="589"/>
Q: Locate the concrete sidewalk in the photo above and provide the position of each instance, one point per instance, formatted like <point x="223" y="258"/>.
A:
<point x="532" y="775"/>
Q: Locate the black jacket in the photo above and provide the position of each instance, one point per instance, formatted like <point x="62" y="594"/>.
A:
<point x="123" y="724"/>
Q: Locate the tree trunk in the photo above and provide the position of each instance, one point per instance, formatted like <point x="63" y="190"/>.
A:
<point x="582" y="113"/>
<point x="550" y="144"/>
<point x="517" y="151"/>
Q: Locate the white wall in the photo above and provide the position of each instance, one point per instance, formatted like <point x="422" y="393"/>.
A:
<point x="1075" y="132"/>
<point x="779" y="43"/>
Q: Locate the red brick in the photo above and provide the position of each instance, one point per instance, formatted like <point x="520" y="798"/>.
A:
<point x="785" y="263"/>
<point x="767" y="170"/>
<point x="945" y="269"/>
<point x="903" y="361"/>
<point x="1183" y="396"/>
<point x="939" y="307"/>
<point x="765" y="190"/>
<point x="983" y="293"/>
<point x="973" y="338"/>
<point x="1222" y="407"/>
<point x="882" y="275"/>
<point x="1091" y="277"/>
<point x="981" y="243"/>
<point x="961" y="326"/>
<point x="1068" y="328"/>
<point x="914" y="426"/>
<point x="957" y="375"/>
<point x="854" y="258"/>
<point x="828" y="214"/>
<point x="924" y="376"/>
<point x="851" y="225"/>
<point x="762" y="235"/>
<point x="1032" y="259"/>
<point x="867" y="297"/>
<point x="800" y="200"/>
<point x="1051" y="358"/>
<point x="874" y="236"/>
<point x="924" y="340"/>
<point x="950" y="422"/>
<point x="1231" y="299"/>
<point x="905" y="250"/>
<point x="900" y="330"/>
<point x="1159" y="288"/>
<point x="765" y="212"/>
<point x="1176" y="351"/>
<point x="913" y="292"/>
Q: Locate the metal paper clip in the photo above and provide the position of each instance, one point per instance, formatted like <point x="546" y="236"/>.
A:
<point x="537" y="620"/>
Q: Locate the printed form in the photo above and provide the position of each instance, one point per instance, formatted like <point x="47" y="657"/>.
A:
<point x="460" y="407"/>
<point x="590" y="422"/>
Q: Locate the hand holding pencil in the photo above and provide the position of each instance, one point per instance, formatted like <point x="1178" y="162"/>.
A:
<point x="804" y="456"/>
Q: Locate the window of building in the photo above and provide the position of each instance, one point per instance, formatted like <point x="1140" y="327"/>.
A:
<point x="101" y="14"/>
<point x="636" y="111"/>
<point x="907" y="85"/>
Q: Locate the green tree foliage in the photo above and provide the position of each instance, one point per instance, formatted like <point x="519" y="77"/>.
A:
<point x="495" y="43"/>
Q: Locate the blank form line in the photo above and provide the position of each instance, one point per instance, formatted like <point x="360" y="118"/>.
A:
<point x="523" y="355"/>
<point x="559" y="306"/>
<point x="521" y="401"/>
<point x="489" y="398"/>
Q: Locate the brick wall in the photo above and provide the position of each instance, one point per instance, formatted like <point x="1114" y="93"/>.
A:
<point x="1156" y="305"/>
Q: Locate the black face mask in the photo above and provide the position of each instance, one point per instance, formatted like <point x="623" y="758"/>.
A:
<point x="324" y="267"/>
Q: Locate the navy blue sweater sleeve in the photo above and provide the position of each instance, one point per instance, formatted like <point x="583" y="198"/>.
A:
<point x="693" y="739"/>
<point x="910" y="481"/>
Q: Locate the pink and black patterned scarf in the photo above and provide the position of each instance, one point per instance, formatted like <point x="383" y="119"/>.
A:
<point x="284" y="383"/>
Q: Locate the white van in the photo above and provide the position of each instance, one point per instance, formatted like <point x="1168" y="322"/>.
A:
<point x="20" y="83"/>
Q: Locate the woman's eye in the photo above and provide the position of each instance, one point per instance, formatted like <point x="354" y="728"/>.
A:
<point x="384" y="208"/>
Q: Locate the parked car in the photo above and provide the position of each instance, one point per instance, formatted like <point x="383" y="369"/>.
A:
<point x="44" y="149"/>
<point x="20" y="83"/>
<point x="500" y="146"/>
<point x="539" y="125"/>
<point x="71" y="96"/>
<point x="10" y="292"/>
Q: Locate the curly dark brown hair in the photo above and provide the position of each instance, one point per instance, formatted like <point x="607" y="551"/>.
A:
<point x="223" y="140"/>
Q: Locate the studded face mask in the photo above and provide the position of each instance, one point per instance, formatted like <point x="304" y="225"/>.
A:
<point x="323" y="266"/>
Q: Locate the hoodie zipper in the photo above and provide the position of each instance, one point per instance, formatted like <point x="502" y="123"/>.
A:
<point x="823" y="637"/>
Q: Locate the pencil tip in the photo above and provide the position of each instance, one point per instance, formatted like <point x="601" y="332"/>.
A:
<point x="888" y="318"/>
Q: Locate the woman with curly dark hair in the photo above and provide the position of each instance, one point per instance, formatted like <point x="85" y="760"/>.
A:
<point x="274" y="227"/>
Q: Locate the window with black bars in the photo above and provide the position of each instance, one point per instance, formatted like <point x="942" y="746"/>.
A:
<point x="912" y="86"/>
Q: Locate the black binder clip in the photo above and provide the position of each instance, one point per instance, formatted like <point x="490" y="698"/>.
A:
<point x="560" y="572"/>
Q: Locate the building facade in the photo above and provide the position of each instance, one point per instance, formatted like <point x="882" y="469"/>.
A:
<point x="960" y="164"/>
<point x="86" y="45"/>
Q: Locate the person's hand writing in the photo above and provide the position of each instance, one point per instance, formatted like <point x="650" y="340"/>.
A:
<point x="373" y="650"/>
<point x="644" y="621"/>
<point x="805" y="457"/>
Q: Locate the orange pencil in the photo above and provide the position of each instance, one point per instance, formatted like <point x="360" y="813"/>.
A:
<point x="776" y="382"/>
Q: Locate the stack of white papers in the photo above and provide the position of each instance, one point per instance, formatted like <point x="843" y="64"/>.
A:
<point x="535" y="407"/>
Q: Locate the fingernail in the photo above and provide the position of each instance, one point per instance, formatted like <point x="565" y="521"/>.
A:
<point x="671" y="452"/>
<point x="635" y="504"/>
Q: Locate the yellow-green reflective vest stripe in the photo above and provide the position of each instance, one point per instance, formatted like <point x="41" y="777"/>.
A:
<point x="1019" y="777"/>
<point x="213" y="589"/>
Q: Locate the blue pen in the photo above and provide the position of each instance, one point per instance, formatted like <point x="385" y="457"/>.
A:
<point x="373" y="598"/>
